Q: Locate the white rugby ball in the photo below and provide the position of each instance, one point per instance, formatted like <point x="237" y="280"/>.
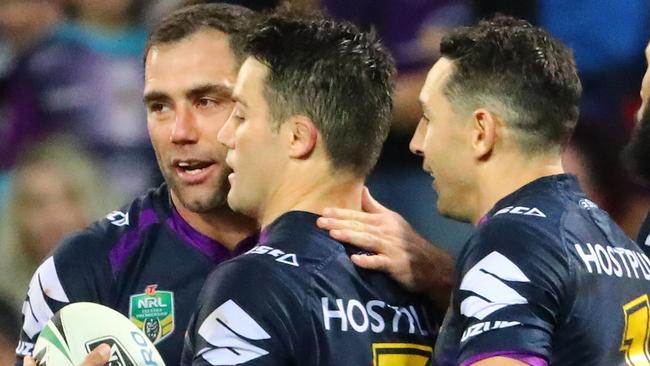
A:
<point x="79" y="328"/>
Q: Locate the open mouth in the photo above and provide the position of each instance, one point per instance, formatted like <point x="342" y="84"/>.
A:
<point x="193" y="171"/>
<point x="192" y="167"/>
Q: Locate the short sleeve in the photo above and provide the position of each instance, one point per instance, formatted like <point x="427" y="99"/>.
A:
<point x="248" y="313"/>
<point x="511" y="294"/>
<point x="75" y="272"/>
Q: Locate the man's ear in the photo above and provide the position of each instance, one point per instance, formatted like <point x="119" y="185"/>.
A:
<point x="484" y="132"/>
<point x="303" y="135"/>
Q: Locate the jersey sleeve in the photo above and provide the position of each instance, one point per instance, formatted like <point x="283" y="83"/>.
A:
<point x="513" y="286"/>
<point x="76" y="271"/>
<point x="248" y="313"/>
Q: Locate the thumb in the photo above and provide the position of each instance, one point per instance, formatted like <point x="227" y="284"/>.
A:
<point x="369" y="204"/>
<point x="99" y="356"/>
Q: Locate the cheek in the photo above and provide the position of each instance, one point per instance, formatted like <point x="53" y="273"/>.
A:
<point x="160" y="134"/>
<point x="433" y="144"/>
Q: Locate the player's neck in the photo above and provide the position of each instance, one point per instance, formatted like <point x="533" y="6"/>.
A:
<point x="313" y="193"/>
<point x="507" y="176"/>
<point x="223" y="225"/>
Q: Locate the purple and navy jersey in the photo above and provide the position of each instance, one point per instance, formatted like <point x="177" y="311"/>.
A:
<point x="643" y="239"/>
<point x="297" y="299"/>
<point x="549" y="279"/>
<point x="144" y="261"/>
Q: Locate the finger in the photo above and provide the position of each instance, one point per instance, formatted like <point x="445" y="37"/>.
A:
<point x="369" y="203"/>
<point x="98" y="357"/>
<point x="360" y="239"/>
<point x="28" y="361"/>
<point x="337" y="224"/>
<point x="374" y="262"/>
<point x="346" y="214"/>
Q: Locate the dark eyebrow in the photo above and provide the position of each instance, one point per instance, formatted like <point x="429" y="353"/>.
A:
<point x="155" y="96"/>
<point x="218" y="90"/>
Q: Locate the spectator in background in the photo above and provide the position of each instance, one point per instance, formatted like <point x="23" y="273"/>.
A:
<point x="9" y="328"/>
<point x="55" y="190"/>
<point x="83" y="77"/>
<point x="412" y="31"/>
<point x="27" y="28"/>
<point x="108" y="38"/>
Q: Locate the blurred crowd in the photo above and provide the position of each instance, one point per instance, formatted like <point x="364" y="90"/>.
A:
<point x="73" y="135"/>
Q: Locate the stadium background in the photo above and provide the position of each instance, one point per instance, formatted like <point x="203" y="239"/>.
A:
<point x="73" y="141"/>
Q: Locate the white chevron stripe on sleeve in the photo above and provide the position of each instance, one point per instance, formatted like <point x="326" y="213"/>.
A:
<point x="494" y="293"/>
<point x="228" y="328"/>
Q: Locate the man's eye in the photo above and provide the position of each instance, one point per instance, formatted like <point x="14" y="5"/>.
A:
<point x="206" y="103"/>
<point x="158" y="107"/>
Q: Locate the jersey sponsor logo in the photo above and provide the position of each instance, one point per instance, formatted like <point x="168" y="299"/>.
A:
<point x="375" y="315"/>
<point x="118" y="218"/>
<point x="230" y="330"/>
<point x="153" y="313"/>
<point x="614" y="261"/>
<point x="481" y="328"/>
<point x="44" y="284"/>
<point x="491" y="293"/>
<point x="280" y="256"/>
<point x="521" y="210"/>
<point x="392" y="354"/>
<point x="647" y="240"/>
<point x="118" y="357"/>
<point x="586" y="204"/>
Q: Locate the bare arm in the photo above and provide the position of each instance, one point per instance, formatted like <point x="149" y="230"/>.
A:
<point x="397" y="249"/>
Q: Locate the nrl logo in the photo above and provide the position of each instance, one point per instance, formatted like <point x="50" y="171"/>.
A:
<point x="153" y="312"/>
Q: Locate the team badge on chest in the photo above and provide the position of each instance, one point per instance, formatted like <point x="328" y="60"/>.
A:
<point x="153" y="313"/>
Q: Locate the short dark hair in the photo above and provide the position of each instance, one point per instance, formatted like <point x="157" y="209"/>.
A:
<point x="333" y="73"/>
<point x="522" y="72"/>
<point x="184" y="22"/>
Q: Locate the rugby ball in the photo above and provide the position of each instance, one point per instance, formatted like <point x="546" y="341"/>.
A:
<point x="79" y="328"/>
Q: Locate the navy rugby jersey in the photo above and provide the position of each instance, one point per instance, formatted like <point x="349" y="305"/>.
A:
<point x="297" y="299"/>
<point x="144" y="261"/>
<point x="549" y="278"/>
<point x="643" y="239"/>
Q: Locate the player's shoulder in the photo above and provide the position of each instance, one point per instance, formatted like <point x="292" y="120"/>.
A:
<point x="141" y="213"/>
<point x="515" y="231"/>
<point x="535" y="216"/>
<point x="117" y="227"/>
<point x="253" y="282"/>
<point x="515" y="244"/>
<point x="262" y="266"/>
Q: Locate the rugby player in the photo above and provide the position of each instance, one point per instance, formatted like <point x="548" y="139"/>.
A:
<point x="498" y="108"/>
<point x="149" y="259"/>
<point x="637" y="152"/>
<point x="313" y="107"/>
<point x="547" y="318"/>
